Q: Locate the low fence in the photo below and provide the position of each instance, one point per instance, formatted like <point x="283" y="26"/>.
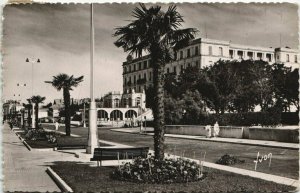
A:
<point x="270" y="134"/>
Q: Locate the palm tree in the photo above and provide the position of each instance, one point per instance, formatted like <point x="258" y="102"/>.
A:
<point x="28" y="107"/>
<point x="157" y="33"/>
<point x="36" y="100"/>
<point x="65" y="82"/>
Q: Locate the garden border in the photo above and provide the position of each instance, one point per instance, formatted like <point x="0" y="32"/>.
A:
<point x="58" y="180"/>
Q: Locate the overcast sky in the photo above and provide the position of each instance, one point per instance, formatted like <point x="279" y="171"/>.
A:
<point x="58" y="34"/>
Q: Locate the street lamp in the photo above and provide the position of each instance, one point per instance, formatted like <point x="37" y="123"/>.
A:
<point x="141" y="118"/>
<point x="93" y="136"/>
<point x="32" y="61"/>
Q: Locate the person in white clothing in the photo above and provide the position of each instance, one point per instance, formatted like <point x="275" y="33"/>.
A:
<point x="216" y="129"/>
<point x="56" y="126"/>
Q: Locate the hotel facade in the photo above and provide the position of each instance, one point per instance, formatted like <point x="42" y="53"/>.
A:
<point x="138" y="72"/>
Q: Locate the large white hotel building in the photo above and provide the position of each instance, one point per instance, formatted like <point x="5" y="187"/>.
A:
<point x="138" y="75"/>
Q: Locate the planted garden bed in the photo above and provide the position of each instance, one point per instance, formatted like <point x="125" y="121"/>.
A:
<point x="83" y="178"/>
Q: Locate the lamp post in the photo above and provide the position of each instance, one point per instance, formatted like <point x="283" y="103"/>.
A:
<point x="141" y="118"/>
<point x="32" y="61"/>
<point x="93" y="136"/>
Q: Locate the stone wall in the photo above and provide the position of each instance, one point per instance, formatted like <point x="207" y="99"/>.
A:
<point x="271" y="134"/>
<point x="258" y="133"/>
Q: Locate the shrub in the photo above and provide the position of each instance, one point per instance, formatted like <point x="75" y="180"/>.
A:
<point x="229" y="160"/>
<point x="150" y="170"/>
<point x="40" y="134"/>
<point x="35" y="134"/>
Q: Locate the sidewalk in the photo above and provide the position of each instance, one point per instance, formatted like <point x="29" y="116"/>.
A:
<point x="219" y="139"/>
<point x="25" y="170"/>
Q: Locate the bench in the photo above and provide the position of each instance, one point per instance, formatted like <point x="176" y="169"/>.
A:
<point x="119" y="153"/>
<point x="72" y="142"/>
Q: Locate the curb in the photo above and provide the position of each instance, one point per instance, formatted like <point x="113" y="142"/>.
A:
<point x="57" y="179"/>
<point x="23" y="141"/>
<point x="26" y="145"/>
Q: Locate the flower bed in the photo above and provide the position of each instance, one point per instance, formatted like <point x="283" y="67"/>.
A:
<point x="150" y="170"/>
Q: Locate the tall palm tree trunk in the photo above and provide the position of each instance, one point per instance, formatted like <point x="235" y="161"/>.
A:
<point x="66" y="94"/>
<point x="36" y="109"/>
<point x="158" y="107"/>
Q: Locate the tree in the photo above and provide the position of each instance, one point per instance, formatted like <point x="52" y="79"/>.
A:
<point x="292" y="87"/>
<point x="36" y="100"/>
<point x="155" y="32"/>
<point x="66" y="83"/>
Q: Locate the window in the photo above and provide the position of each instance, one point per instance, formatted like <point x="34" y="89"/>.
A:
<point x="197" y="64"/>
<point x="240" y="54"/>
<point x="288" y="58"/>
<point x="196" y="51"/>
<point x="150" y="76"/>
<point x="181" y="68"/>
<point x="220" y="51"/>
<point x="188" y="53"/>
<point x="125" y="82"/>
<point x="175" y="55"/>
<point x="189" y="65"/>
<point x="250" y="55"/>
<point x="296" y="59"/>
<point x="134" y="68"/>
<point x="129" y="80"/>
<point x="124" y="69"/>
<point x="174" y="69"/>
<point x="145" y="77"/>
<point x="277" y="56"/>
<point x="231" y="53"/>
<point x="181" y="54"/>
<point x="134" y="79"/>
<point x="145" y="64"/>
<point x="129" y="69"/>
<point x="168" y="70"/>
<point x="259" y="56"/>
<point x="137" y="101"/>
<point x="269" y="57"/>
<point x="139" y="76"/>
<point x="140" y="66"/>
<point x="209" y="50"/>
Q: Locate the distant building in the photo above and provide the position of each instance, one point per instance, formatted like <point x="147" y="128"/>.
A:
<point x="138" y="72"/>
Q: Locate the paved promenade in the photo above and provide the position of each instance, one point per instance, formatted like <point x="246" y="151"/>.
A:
<point x="220" y="139"/>
<point x="25" y="170"/>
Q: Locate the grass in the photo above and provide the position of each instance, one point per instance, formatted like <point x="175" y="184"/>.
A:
<point x="83" y="178"/>
<point x="285" y="162"/>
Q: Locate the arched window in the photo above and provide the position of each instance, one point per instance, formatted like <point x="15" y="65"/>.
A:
<point x="102" y="115"/>
<point x="116" y="115"/>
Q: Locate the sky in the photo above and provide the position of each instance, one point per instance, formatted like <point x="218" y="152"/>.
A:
<point x="59" y="35"/>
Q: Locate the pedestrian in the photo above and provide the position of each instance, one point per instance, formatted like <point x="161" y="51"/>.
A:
<point x="56" y="126"/>
<point x="208" y="131"/>
<point x="216" y="129"/>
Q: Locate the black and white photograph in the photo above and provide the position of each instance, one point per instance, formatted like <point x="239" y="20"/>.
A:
<point x="150" y="97"/>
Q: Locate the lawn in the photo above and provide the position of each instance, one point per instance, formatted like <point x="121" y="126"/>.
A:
<point x="83" y="178"/>
<point x="285" y="162"/>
